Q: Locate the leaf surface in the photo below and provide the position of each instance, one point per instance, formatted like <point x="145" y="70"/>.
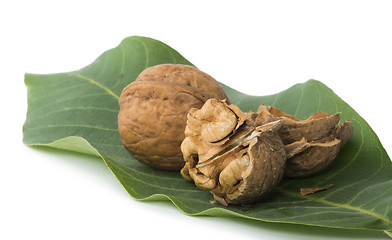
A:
<point x="78" y="110"/>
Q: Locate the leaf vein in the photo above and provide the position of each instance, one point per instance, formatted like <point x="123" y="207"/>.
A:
<point x="73" y="125"/>
<point x="58" y="91"/>
<point x="153" y="185"/>
<point x="364" y="180"/>
<point x="61" y="100"/>
<point x="319" y="98"/>
<point x="344" y="206"/>
<point x="145" y="52"/>
<point x="73" y="109"/>
<point x="93" y="81"/>
<point x="120" y="166"/>
<point x="121" y="76"/>
<point x="300" y="100"/>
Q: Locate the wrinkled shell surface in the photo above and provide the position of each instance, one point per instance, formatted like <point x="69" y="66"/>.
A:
<point x="153" y="112"/>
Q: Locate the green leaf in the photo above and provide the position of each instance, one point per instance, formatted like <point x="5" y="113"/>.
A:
<point x="78" y="111"/>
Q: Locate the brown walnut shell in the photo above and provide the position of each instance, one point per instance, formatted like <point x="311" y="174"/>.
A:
<point x="243" y="163"/>
<point x="312" y="144"/>
<point x="240" y="157"/>
<point x="153" y="112"/>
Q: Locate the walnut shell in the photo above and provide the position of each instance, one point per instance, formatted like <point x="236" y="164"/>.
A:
<point x="311" y="144"/>
<point x="240" y="157"/>
<point x="243" y="164"/>
<point x="153" y="112"/>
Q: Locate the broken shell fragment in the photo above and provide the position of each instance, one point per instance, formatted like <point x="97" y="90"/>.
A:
<point x="312" y="158"/>
<point x="319" y="125"/>
<point x="312" y="144"/>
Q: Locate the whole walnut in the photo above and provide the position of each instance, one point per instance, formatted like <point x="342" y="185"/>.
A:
<point x="154" y="108"/>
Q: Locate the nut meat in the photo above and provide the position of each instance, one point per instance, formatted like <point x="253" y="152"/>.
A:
<point x="153" y="112"/>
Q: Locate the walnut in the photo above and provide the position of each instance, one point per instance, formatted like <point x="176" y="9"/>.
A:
<point x="312" y="144"/>
<point x="228" y="154"/>
<point x="153" y="112"/>
<point x="240" y="157"/>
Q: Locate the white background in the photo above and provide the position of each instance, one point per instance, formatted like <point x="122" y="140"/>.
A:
<point x="257" y="47"/>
